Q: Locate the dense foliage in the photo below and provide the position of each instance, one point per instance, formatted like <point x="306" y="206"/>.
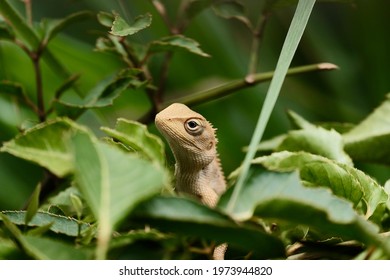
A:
<point x="82" y="179"/>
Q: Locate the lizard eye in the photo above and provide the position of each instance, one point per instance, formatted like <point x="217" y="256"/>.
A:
<point x="193" y="126"/>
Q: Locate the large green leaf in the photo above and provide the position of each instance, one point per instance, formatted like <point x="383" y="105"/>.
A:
<point x="363" y="141"/>
<point x="43" y="248"/>
<point x="190" y="218"/>
<point x="59" y="224"/>
<point x="343" y="180"/>
<point x="112" y="182"/>
<point x="121" y="28"/>
<point x="46" y="145"/>
<point x="136" y="137"/>
<point x="176" y="42"/>
<point x="282" y="197"/>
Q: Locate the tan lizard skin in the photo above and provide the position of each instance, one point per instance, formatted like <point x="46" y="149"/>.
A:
<point x="193" y="142"/>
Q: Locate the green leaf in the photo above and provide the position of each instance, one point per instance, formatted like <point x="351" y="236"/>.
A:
<point x="43" y="248"/>
<point x="52" y="27"/>
<point x="174" y="43"/>
<point x="22" y="30"/>
<point x="194" y="7"/>
<point x="362" y="141"/>
<point x="12" y="88"/>
<point x="60" y="224"/>
<point x="45" y="145"/>
<point x="135" y="136"/>
<point x="232" y="10"/>
<point x="102" y="95"/>
<point x="6" y="32"/>
<point x="343" y="180"/>
<point x="282" y="197"/>
<point x="112" y="182"/>
<point x="49" y="249"/>
<point x="190" y="218"/>
<point x="105" y="19"/>
<point x="298" y="121"/>
<point x="33" y="205"/>
<point x="316" y="140"/>
<point x="77" y="204"/>
<point x="121" y="28"/>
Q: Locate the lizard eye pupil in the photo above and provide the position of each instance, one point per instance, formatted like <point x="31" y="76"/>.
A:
<point x="193" y="126"/>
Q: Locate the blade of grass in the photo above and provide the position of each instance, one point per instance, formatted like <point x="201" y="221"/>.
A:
<point x="290" y="45"/>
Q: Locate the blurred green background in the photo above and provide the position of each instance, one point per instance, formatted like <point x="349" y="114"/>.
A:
<point x="354" y="36"/>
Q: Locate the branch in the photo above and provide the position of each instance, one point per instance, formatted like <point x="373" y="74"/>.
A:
<point x="233" y="86"/>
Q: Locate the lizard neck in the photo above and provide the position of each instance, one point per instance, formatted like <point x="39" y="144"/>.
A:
<point x="197" y="180"/>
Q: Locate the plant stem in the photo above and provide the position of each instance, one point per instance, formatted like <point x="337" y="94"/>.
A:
<point x="257" y="38"/>
<point x="28" y="7"/>
<point x="39" y="87"/>
<point x="160" y="8"/>
<point x="235" y="85"/>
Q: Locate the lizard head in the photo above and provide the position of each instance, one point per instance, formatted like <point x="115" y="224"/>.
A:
<point x="190" y="136"/>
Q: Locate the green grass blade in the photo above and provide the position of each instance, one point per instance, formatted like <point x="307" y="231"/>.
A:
<point x="290" y="45"/>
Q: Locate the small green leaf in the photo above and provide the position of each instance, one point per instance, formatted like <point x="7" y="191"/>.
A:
<point x="105" y="19"/>
<point x="102" y="95"/>
<point x="68" y="83"/>
<point x="316" y="140"/>
<point x="39" y="231"/>
<point x="232" y="10"/>
<point x="52" y="27"/>
<point x="12" y="88"/>
<point x="33" y="205"/>
<point x="362" y="141"/>
<point x="6" y="32"/>
<point x="195" y="7"/>
<point x="190" y="218"/>
<point x="298" y="121"/>
<point x="137" y="137"/>
<point x="45" y="145"/>
<point x="60" y="224"/>
<point x="77" y="204"/>
<point x="121" y="28"/>
<point x="176" y="42"/>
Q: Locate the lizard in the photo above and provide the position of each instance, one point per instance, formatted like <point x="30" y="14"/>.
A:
<point x="193" y="142"/>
